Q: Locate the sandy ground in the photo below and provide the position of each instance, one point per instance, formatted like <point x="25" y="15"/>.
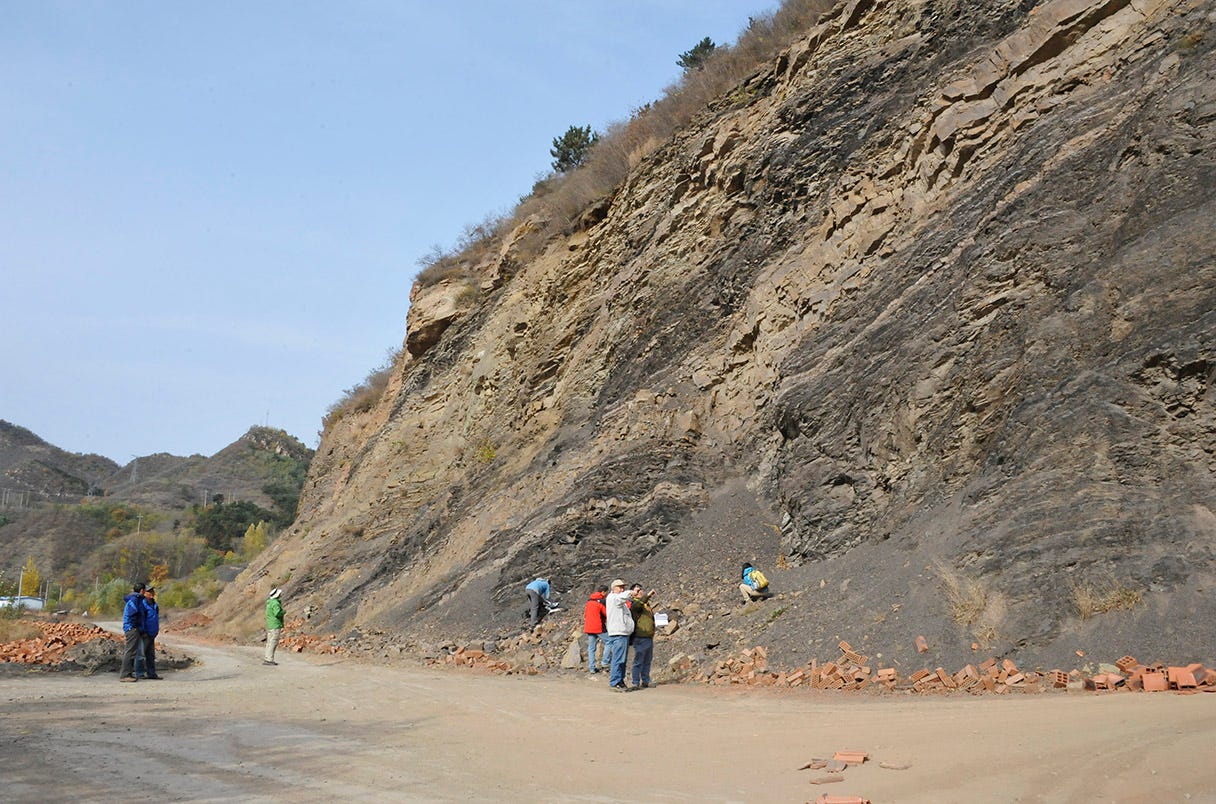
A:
<point x="320" y="728"/>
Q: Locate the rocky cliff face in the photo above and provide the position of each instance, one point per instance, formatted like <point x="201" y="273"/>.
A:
<point x="921" y="317"/>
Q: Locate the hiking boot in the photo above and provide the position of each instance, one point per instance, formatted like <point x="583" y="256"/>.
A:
<point x="615" y="688"/>
<point x="128" y="678"/>
<point x="267" y="661"/>
<point x="154" y="678"/>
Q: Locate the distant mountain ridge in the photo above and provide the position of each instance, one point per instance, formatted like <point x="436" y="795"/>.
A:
<point x="30" y="464"/>
<point x="43" y="472"/>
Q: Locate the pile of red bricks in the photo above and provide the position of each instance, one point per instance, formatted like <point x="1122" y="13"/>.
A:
<point x="49" y="648"/>
<point x="853" y="671"/>
<point x="1154" y="678"/>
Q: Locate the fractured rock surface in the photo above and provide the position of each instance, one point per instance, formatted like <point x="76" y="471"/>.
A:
<point x="921" y="317"/>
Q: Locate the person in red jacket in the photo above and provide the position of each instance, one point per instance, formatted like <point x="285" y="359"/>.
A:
<point x="595" y="617"/>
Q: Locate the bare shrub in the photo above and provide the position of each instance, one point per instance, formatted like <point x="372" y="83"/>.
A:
<point x="1103" y="595"/>
<point x="562" y="198"/>
<point x="364" y="396"/>
<point x="972" y="605"/>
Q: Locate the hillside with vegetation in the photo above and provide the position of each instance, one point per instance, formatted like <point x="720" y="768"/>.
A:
<point x="81" y="528"/>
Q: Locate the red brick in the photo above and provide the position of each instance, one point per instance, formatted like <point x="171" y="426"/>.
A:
<point x="922" y="644"/>
<point x="1127" y="663"/>
<point x="1059" y="679"/>
<point x="851" y="757"/>
<point x="1154" y="682"/>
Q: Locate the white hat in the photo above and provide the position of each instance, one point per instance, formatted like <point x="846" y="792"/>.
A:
<point x="274" y="593"/>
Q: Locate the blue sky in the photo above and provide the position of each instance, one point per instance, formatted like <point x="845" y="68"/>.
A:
<point x="211" y="213"/>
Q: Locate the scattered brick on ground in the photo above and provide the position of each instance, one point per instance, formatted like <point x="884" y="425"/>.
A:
<point x="296" y="641"/>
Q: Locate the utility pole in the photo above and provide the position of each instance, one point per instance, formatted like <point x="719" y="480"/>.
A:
<point x="135" y="469"/>
<point x="139" y="521"/>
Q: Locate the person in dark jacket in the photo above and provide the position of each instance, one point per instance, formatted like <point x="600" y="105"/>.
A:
<point x="132" y="630"/>
<point x="151" y="629"/>
<point x="595" y="619"/>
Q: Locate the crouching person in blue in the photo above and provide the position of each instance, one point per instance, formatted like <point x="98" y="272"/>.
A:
<point x="151" y="629"/>
<point x="132" y="630"/>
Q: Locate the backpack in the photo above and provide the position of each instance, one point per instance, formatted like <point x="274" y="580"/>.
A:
<point x="758" y="581"/>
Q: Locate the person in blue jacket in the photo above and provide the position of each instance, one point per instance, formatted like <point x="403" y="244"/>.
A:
<point x="538" y="600"/>
<point x="132" y="630"/>
<point x="151" y="629"/>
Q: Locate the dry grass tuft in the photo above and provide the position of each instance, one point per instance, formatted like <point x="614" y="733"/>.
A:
<point x="15" y="630"/>
<point x="972" y="605"/>
<point x="1104" y="595"/>
<point x="364" y="396"/>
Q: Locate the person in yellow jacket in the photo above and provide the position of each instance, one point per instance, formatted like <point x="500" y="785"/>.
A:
<point x="274" y="624"/>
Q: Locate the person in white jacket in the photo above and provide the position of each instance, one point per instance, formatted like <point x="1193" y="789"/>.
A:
<point x="620" y="626"/>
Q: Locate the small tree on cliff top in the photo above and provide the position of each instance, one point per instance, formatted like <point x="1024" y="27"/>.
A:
<point x="570" y="149"/>
<point x="694" y="59"/>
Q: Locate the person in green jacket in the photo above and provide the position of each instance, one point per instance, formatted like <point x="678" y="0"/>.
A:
<point x="642" y="638"/>
<point x="274" y="624"/>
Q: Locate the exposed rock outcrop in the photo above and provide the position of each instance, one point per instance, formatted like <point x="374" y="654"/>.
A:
<point x="926" y="305"/>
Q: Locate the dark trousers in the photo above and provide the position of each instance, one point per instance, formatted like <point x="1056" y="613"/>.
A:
<point x="128" y="653"/>
<point x="536" y="611"/>
<point x="149" y="652"/>
<point x="643" y="654"/>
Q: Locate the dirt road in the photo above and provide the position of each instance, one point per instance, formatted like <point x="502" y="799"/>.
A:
<point x="320" y="728"/>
